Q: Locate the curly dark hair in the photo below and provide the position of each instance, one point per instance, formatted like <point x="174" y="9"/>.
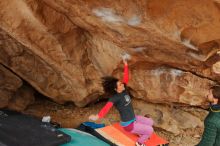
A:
<point x="109" y="84"/>
<point x="216" y="92"/>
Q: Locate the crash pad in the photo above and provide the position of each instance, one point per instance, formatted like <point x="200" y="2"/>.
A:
<point x="17" y="129"/>
<point x="116" y="134"/>
<point x="79" y="138"/>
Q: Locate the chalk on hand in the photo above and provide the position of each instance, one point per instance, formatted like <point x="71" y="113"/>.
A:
<point x="125" y="56"/>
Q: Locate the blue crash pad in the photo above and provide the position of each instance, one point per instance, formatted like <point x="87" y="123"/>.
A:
<point x="79" y="138"/>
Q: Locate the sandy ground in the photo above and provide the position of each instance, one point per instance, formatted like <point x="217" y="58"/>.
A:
<point x="70" y="116"/>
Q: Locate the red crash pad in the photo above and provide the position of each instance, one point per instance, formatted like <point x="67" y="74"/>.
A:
<point x="119" y="136"/>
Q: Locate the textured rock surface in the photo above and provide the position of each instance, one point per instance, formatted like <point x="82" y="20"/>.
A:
<point x="9" y="83"/>
<point x="63" y="47"/>
<point x="23" y="97"/>
<point x="161" y="84"/>
<point x="14" y="94"/>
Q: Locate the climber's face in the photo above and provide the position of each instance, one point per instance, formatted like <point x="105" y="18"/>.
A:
<point x="120" y="87"/>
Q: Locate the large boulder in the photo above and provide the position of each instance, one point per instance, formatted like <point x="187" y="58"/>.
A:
<point x="9" y="84"/>
<point x="22" y="98"/>
<point x="62" y="48"/>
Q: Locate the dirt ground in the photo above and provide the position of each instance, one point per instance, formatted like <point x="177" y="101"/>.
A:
<point x="70" y="116"/>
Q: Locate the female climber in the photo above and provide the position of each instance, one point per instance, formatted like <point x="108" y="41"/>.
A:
<point x="120" y="98"/>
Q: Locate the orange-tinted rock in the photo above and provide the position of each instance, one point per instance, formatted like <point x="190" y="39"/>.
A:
<point x="23" y="97"/>
<point x="9" y="83"/>
<point x="62" y="48"/>
<point x="163" y="84"/>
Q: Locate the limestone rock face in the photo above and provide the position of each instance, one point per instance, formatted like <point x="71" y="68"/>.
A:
<point x="14" y="94"/>
<point x="170" y="118"/>
<point x="9" y="83"/>
<point x="23" y="97"/>
<point x="63" y="47"/>
<point x="167" y="85"/>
